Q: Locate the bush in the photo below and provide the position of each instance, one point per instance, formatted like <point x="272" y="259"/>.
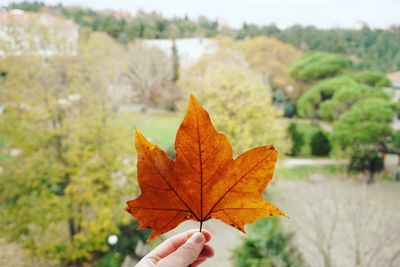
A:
<point x="320" y="144"/>
<point x="289" y="109"/>
<point x="279" y="98"/>
<point x="267" y="245"/>
<point x="297" y="139"/>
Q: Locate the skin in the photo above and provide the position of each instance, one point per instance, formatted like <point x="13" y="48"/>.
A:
<point x="190" y="248"/>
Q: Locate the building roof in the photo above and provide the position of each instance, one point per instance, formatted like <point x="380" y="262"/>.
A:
<point x="20" y="17"/>
<point x="394" y="76"/>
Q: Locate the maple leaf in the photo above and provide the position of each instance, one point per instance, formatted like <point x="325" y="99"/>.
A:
<point x="204" y="181"/>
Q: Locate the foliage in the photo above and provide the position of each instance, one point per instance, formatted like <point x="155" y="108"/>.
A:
<point x="150" y="71"/>
<point x="318" y="65"/>
<point x="270" y="58"/>
<point x="320" y="144"/>
<point x="329" y="98"/>
<point x="367" y="159"/>
<point x="395" y="140"/>
<point x="239" y="100"/>
<point x="375" y="49"/>
<point x="367" y="122"/>
<point x="196" y="185"/>
<point x="297" y="139"/>
<point x="267" y="245"/>
<point x="128" y="239"/>
<point x="279" y="98"/>
<point x="372" y="78"/>
<point x="64" y="174"/>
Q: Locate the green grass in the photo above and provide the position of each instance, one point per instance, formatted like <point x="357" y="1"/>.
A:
<point x="305" y="172"/>
<point x="159" y="127"/>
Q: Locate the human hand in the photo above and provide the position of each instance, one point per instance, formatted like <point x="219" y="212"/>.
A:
<point x="182" y="250"/>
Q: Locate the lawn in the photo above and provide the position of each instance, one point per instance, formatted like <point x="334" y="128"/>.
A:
<point x="309" y="172"/>
<point x="160" y="128"/>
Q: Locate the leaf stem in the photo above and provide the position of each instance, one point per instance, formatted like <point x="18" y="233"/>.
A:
<point x="201" y="226"/>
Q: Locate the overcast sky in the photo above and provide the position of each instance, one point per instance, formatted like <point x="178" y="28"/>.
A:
<point x="322" y="13"/>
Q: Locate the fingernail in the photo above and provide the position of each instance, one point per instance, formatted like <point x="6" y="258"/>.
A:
<point x="197" y="238"/>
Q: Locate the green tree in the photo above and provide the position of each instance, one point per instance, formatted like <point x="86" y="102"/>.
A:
<point x="317" y="65"/>
<point x="362" y="129"/>
<point x="329" y="98"/>
<point x="372" y="78"/>
<point x="320" y="144"/>
<point x="367" y="122"/>
<point x="267" y="245"/>
<point x="63" y="178"/>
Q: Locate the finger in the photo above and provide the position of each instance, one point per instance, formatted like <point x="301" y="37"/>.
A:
<point x="185" y="254"/>
<point x="173" y="243"/>
<point x="207" y="252"/>
<point x="197" y="262"/>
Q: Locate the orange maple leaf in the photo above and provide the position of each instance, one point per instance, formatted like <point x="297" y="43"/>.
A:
<point x="203" y="182"/>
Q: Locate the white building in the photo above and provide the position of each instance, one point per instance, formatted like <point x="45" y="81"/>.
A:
<point x="24" y="33"/>
<point x="189" y="49"/>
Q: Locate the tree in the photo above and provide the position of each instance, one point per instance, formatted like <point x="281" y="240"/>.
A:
<point x="367" y="122"/>
<point x="175" y="62"/>
<point x="270" y="58"/>
<point x="317" y="65"/>
<point x="372" y="78"/>
<point x="150" y="70"/>
<point x="267" y="244"/>
<point x="363" y="128"/>
<point x="329" y="98"/>
<point x="63" y="175"/>
<point x="320" y="144"/>
<point x="334" y="222"/>
<point x="239" y="101"/>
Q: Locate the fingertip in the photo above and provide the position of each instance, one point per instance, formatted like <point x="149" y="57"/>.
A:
<point x="197" y="238"/>
<point x="207" y="234"/>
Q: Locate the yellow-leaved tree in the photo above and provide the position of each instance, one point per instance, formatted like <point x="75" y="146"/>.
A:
<point x="238" y="99"/>
<point x="271" y="58"/>
<point x="62" y="153"/>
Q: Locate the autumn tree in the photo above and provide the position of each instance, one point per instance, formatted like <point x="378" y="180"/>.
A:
<point x="63" y="174"/>
<point x="270" y="58"/>
<point x="150" y="70"/>
<point x="334" y="222"/>
<point x="239" y="99"/>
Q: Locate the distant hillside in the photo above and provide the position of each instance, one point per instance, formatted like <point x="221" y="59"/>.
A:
<point x="374" y="49"/>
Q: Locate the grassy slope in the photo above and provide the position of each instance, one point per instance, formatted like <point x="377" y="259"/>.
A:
<point x="160" y="128"/>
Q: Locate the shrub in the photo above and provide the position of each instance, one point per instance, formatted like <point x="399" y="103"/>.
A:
<point x="267" y="245"/>
<point x="320" y="144"/>
<point x="297" y="139"/>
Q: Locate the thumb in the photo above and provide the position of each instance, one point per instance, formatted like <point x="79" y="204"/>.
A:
<point x="185" y="254"/>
